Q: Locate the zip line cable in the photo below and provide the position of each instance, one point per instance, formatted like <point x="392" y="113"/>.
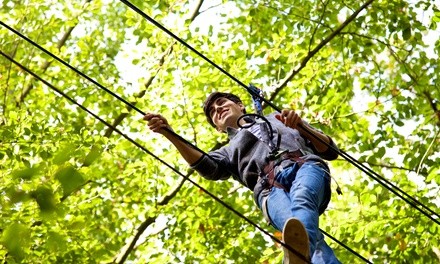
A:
<point x="140" y="111"/>
<point x="143" y="113"/>
<point x="132" y="106"/>
<point x="345" y="155"/>
<point x="156" y="157"/>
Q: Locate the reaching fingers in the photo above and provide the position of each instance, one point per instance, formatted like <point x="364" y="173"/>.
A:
<point x="290" y="118"/>
<point x="149" y="116"/>
<point x="156" y="122"/>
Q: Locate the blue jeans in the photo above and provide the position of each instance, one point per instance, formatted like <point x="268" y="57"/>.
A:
<point x="308" y="197"/>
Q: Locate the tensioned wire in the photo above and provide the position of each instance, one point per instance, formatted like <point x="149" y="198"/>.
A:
<point x="140" y="111"/>
<point x="347" y="157"/>
<point x="152" y="154"/>
<point x="242" y="85"/>
<point x="380" y="179"/>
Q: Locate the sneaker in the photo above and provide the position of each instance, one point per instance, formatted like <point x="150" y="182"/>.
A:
<point x="295" y="235"/>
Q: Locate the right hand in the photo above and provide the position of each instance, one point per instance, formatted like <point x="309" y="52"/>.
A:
<point x="157" y="123"/>
<point x="291" y="119"/>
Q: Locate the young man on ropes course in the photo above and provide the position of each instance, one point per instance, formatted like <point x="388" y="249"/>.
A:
<point x="280" y="158"/>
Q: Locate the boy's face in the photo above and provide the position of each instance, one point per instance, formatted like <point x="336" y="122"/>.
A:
<point x="225" y="113"/>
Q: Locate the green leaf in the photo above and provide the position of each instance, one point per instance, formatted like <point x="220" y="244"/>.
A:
<point x="433" y="174"/>
<point x="380" y="152"/>
<point x="359" y="236"/>
<point x="45" y="199"/>
<point x="25" y="174"/>
<point x="436" y="17"/>
<point x="16" y="238"/>
<point x="64" y="154"/>
<point x="399" y="122"/>
<point x="16" y="195"/>
<point x="406" y="33"/>
<point x="78" y="223"/>
<point x="56" y="242"/>
<point x="69" y="178"/>
<point x="94" y="154"/>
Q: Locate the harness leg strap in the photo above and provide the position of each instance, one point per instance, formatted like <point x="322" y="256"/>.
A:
<point x="264" y="209"/>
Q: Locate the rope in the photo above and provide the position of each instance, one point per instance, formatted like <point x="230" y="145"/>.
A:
<point x="345" y="155"/>
<point x="138" y="110"/>
<point x="156" y="157"/>
<point x="143" y="113"/>
<point x="346" y="247"/>
<point x="126" y="102"/>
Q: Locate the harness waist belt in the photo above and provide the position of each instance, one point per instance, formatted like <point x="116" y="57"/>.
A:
<point x="267" y="179"/>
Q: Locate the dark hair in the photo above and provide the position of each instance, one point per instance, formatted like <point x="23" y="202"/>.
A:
<point x="214" y="96"/>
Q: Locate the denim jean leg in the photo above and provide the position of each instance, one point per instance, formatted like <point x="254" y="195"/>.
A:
<point x="277" y="204"/>
<point x="307" y="194"/>
<point x="323" y="253"/>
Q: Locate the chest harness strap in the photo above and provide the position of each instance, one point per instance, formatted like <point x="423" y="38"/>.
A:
<point x="266" y="180"/>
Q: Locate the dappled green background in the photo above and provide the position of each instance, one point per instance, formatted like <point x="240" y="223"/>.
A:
<point x="74" y="191"/>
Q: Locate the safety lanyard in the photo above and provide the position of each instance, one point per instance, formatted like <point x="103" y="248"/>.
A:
<point x="257" y="98"/>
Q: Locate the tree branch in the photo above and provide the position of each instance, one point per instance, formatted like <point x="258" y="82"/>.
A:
<point x="167" y="198"/>
<point x="312" y="53"/>
<point x="388" y="166"/>
<point x="185" y="111"/>
<point x="387" y="44"/>
<point x="150" y="80"/>
<point x="413" y="77"/>
<point x="120" y="258"/>
<point x="319" y="22"/>
<point x="47" y="63"/>
<point x="316" y="28"/>
<point x="138" y="234"/>
<point x="426" y="152"/>
<point x="118" y="120"/>
<point x="433" y="105"/>
<point x="7" y="82"/>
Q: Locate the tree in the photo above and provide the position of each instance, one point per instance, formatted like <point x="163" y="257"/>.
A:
<point x="74" y="191"/>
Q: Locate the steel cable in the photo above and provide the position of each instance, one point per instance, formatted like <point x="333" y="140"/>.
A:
<point x="400" y="193"/>
<point x="152" y="154"/>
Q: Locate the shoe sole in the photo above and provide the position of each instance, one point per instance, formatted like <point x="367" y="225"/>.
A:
<point x="295" y="235"/>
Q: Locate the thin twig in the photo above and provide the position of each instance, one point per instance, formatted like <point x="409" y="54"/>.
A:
<point x="316" y="28"/>
<point x="8" y="78"/>
<point x="47" y="63"/>
<point x="150" y="80"/>
<point x="319" y="22"/>
<point x="312" y="53"/>
<point x="120" y="258"/>
<point x="426" y="152"/>
<point x="138" y="234"/>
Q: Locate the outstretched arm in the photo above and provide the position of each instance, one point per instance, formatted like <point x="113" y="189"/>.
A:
<point x="319" y="140"/>
<point x="157" y="123"/>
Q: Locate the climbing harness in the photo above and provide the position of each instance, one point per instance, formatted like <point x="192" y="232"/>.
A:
<point x="380" y="179"/>
<point x="266" y="180"/>
<point x="265" y="127"/>
<point x="268" y="103"/>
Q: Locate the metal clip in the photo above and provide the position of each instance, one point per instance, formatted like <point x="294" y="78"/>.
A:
<point x="277" y="154"/>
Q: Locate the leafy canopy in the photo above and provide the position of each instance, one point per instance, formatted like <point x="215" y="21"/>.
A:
<point x="73" y="191"/>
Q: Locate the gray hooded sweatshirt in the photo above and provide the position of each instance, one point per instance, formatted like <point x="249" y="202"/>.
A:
<point x="245" y="156"/>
